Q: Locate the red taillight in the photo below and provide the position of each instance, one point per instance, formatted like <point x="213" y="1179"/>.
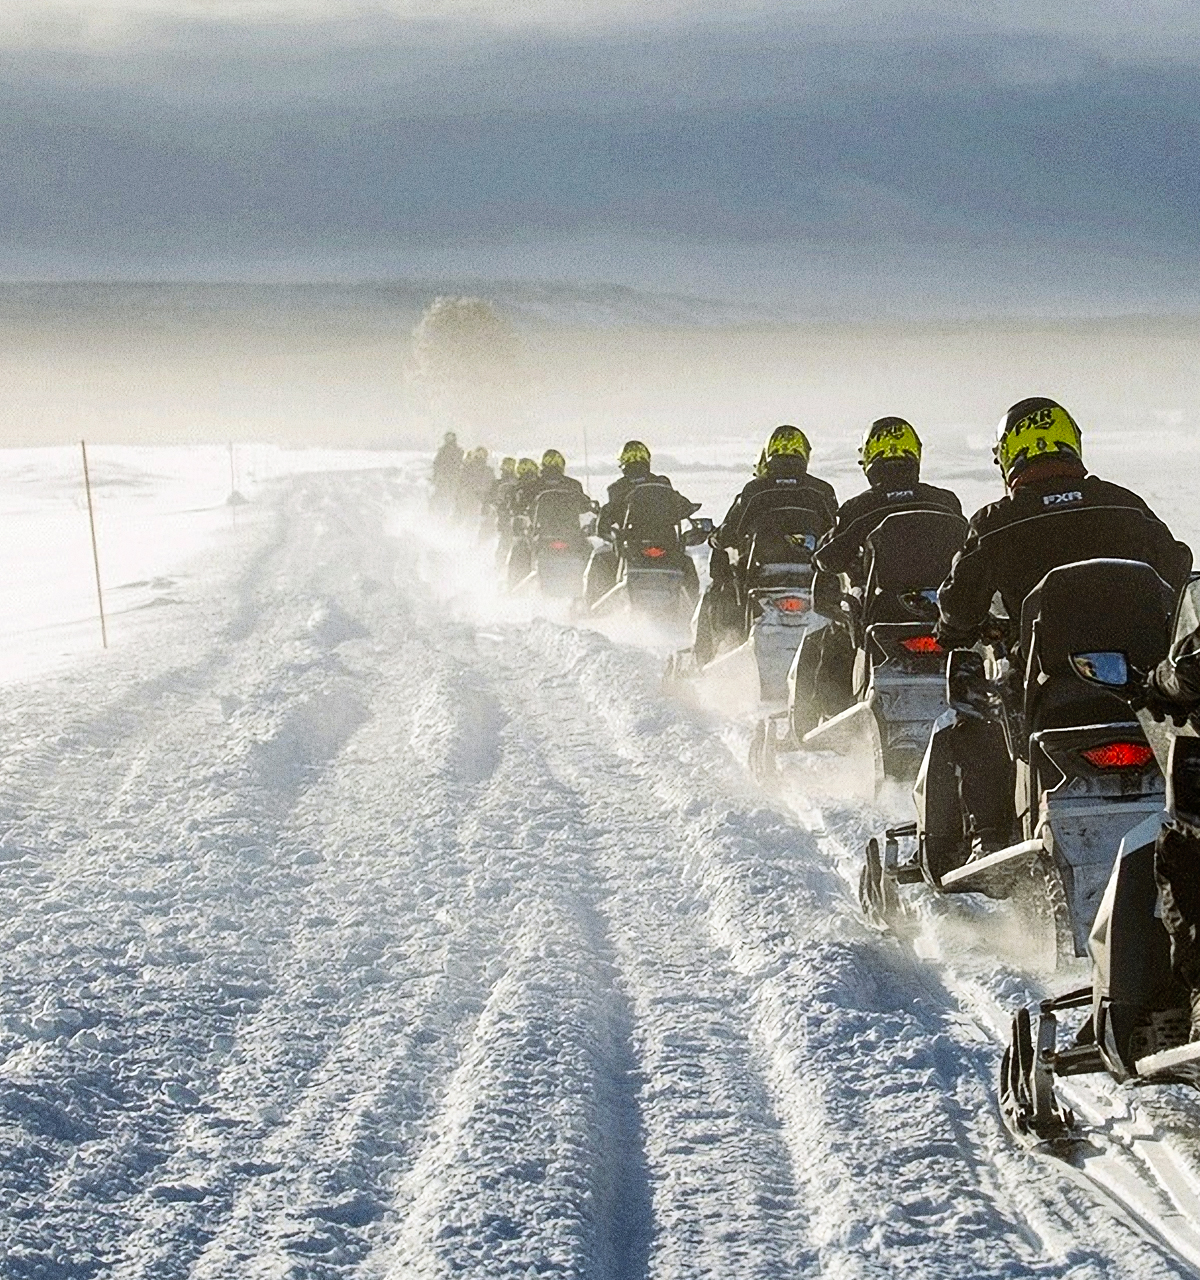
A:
<point x="654" y="552"/>
<point x="558" y="545"/>
<point x="791" y="604"/>
<point x="1119" y="755"/>
<point x="922" y="644"/>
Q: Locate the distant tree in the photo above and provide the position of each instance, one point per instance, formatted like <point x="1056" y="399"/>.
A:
<point x="468" y="370"/>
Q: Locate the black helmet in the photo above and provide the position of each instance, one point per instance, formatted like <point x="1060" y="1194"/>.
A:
<point x="634" y="456"/>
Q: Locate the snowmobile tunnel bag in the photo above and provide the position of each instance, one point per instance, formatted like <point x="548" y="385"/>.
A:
<point x="1090" y="607"/>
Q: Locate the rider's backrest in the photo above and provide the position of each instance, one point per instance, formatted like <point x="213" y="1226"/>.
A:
<point x="652" y="511"/>
<point x="779" y="498"/>
<point x="908" y="555"/>
<point x="555" y="514"/>
<point x="780" y="549"/>
<point x="1092" y="606"/>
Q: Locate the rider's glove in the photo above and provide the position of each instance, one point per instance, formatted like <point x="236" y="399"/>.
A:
<point x="1165" y="692"/>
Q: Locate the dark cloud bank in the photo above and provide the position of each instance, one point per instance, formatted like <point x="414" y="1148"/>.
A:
<point x="822" y="169"/>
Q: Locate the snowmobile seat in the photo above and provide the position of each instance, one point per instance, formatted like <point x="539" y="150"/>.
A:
<point x="1102" y="605"/>
<point x="907" y="557"/>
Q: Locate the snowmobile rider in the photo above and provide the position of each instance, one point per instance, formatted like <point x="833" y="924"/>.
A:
<point x="499" y="502"/>
<point x="552" y="475"/>
<point x="634" y="461"/>
<point x="1010" y="546"/>
<point x="447" y="468"/>
<point x="527" y="481"/>
<point x="782" y="467"/>
<point x="1173" y="690"/>
<point x="475" y="484"/>
<point x="505" y="482"/>
<point x="890" y="456"/>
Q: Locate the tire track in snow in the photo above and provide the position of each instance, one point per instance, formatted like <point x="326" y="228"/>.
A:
<point x="331" y="985"/>
<point x="852" y="1053"/>
<point x="156" y="857"/>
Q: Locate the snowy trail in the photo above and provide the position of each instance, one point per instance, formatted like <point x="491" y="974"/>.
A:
<point x="345" y="935"/>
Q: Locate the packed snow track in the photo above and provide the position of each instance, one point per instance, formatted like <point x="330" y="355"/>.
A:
<point x="354" y="925"/>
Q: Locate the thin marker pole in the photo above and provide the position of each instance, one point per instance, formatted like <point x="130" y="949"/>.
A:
<point x="587" y="470"/>
<point x="233" y="505"/>
<point x="87" y="484"/>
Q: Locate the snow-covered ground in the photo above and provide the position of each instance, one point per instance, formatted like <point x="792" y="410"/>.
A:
<point x="357" y="921"/>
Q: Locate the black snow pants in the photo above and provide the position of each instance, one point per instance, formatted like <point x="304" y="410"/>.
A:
<point x="718" y="614"/>
<point x="964" y="791"/>
<point x="823" y="678"/>
<point x="1177" y="870"/>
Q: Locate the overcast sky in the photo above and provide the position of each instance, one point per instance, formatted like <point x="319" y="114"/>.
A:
<point x="880" y="152"/>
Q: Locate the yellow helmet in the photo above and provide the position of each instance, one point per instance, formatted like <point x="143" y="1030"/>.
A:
<point x="479" y="454"/>
<point x="633" y="453"/>
<point x="888" y="438"/>
<point x="1035" y="428"/>
<point x="526" y="467"/>
<point x="552" y="460"/>
<point x="508" y="468"/>
<point x="788" y="442"/>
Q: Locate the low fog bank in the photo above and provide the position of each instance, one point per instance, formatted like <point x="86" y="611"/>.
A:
<point x="340" y="366"/>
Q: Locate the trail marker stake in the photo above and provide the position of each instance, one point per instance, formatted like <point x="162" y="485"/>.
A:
<point x="87" y="484"/>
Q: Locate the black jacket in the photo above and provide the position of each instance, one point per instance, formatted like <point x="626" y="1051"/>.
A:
<point x="1052" y="519"/>
<point x="788" y="473"/>
<point x="612" y="513"/>
<point x="841" y="549"/>
<point x="447" y="463"/>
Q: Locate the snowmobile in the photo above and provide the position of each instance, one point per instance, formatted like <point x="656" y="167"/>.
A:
<point x="1138" y="1022"/>
<point x="550" y="549"/>
<point x="646" y="567"/>
<point x="1085" y="772"/>
<point x="899" y="666"/>
<point x="774" y="600"/>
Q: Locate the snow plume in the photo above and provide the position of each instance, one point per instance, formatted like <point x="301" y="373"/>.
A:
<point x="468" y="366"/>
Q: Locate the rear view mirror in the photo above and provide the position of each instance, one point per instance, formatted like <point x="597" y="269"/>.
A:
<point x="700" y="531"/>
<point x="1111" y="669"/>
